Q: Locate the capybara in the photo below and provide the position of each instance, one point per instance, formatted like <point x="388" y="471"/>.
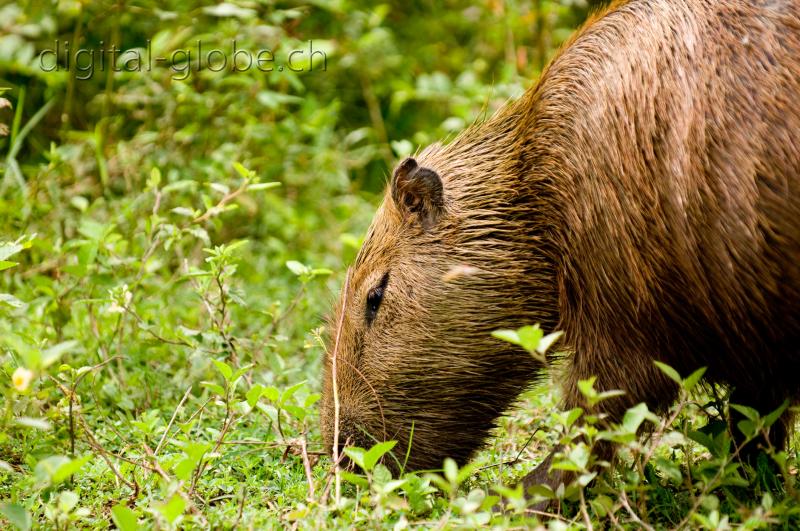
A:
<point x="643" y="197"/>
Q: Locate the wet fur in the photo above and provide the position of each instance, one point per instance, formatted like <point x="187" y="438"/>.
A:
<point x="643" y="197"/>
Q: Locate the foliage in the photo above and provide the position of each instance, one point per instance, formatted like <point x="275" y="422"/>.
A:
<point x="169" y="246"/>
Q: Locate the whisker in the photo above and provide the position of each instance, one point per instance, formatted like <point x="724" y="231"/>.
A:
<point x="335" y="385"/>
<point x="374" y="392"/>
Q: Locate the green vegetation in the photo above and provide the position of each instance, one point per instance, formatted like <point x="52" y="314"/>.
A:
<point x="171" y="237"/>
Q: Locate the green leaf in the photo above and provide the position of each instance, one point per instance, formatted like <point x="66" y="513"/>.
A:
<point x="440" y="482"/>
<point x="692" y="379"/>
<point x="355" y="479"/>
<point x="87" y="254"/>
<point x="510" y="336"/>
<point x="55" y="469"/>
<point x="17" y="515"/>
<point x="263" y="186"/>
<point x="289" y="393"/>
<point x="241" y="170"/>
<point x="529" y="337"/>
<point x="297" y="412"/>
<point x="541" y="490"/>
<point x="38" y="424"/>
<point x="356" y="454"/>
<point x="547" y="341"/>
<point x="574" y="414"/>
<point x="748" y="412"/>
<point x="670" y="470"/>
<point x="605" y="395"/>
<point x="580" y="456"/>
<point x="224" y="369"/>
<point x="177" y="186"/>
<point x="214" y="387"/>
<point x="321" y="272"/>
<point x="124" y="518"/>
<point x="68" y="469"/>
<point x="80" y="203"/>
<point x="93" y="230"/>
<point x="297" y="268"/>
<point x="392" y="485"/>
<point x="450" y="469"/>
<point x="67" y="500"/>
<point x="585" y="479"/>
<point x="670" y="372"/>
<point x="10" y="300"/>
<point x="155" y="178"/>
<point x="381" y="475"/>
<point x="772" y="417"/>
<point x="235" y="246"/>
<point x="194" y="453"/>
<point x="240" y="372"/>
<point x="311" y="399"/>
<point x="5" y="264"/>
<point x="223" y="189"/>
<point x="466" y="471"/>
<point x="634" y="417"/>
<point x="9" y="249"/>
<point x="703" y="439"/>
<point x="47" y="468"/>
<point x="253" y="394"/>
<point x="586" y="387"/>
<point x="172" y="509"/>
<point x="272" y="394"/>
<point x="748" y="428"/>
<point x="372" y="455"/>
<point x="183" y="211"/>
<point x="54" y="353"/>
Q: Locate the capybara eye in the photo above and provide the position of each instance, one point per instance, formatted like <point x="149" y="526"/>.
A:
<point x="375" y="297"/>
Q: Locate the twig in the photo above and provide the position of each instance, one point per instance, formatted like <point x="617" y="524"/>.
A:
<point x="512" y="461"/>
<point x="213" y="211"/>
<point x="624" y="499"/>
<point x="144" y="326"/>
<point x="168" y="479"/>
<point x="584" y="512"/>
<point x="174" y="414"/>
<point x="328" y="480"/>
<point x="104" y="454"/>
<point x="241" y="509"/>
<point x="230" y="419"/>
<point x="89" y="436"/>
<point x="336" y="405"/>
<point x="709" y="485"/>
<point x="278" y="319"/>
<point x="71" y="397"/>
<point x="307" y="467"/>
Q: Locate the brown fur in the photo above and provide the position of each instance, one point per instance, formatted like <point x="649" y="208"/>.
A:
<point x="643" y="197"/>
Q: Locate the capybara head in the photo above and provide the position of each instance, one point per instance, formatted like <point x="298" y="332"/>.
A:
<point x="642" y="197"/>
<point x="448" y="259"/>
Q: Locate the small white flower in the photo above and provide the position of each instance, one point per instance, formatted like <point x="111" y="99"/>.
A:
<point x="121" y="299"/>
<point x="22" y="379"/>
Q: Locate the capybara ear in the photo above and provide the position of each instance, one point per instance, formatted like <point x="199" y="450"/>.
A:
<point x="418" y="192"/>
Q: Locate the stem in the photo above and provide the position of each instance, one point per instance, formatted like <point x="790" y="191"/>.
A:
<point x="336" y="405"/>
